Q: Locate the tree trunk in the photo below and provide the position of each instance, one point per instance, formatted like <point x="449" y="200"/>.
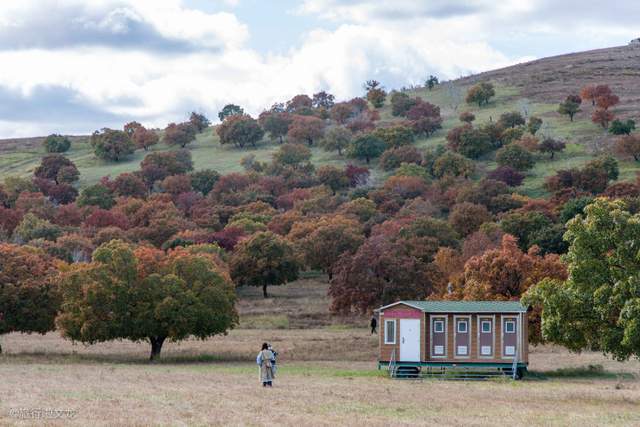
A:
<point x="571" y="117"/>
<point x="339" y="151"/>
<point x="264" y="291"/>
<point x="156" y="347"/>
<point x="281" y="141"/>
<point x="0" y="348"/>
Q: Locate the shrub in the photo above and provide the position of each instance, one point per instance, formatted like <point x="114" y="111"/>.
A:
<point x="56" y="143"/>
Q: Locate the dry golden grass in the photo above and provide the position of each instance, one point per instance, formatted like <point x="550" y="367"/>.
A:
<point x="327" y="376"/>
<point x="208" y="383"/>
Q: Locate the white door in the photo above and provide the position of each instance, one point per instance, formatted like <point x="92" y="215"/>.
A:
<point x="410" y="340"/>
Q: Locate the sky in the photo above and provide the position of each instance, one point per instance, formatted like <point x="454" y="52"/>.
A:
<point x="74" y="66"/>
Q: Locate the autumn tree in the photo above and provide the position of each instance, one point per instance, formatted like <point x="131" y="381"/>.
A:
<point x="305" y="129"/>
<point x="230" y="110"/>
<point x="57" y="168"/>
<point x="366" y="147"/>
<point x="480" y="94"/>
<point x="323" y="242"/>
<point x="508" y="175"/>
<point x="144" y="138"/>
<point x="336" y="139"/>
<point x="31" y="227"/>
<point x="300" y="104"/>
<point x="570" y="106"/>
<point x="199" y="121"/>
<point x="452" y="164"/>
<point x="598" y="306"/>
<point x="179" y="134"/>
<point x="602" y="117"/>
<point x="376" y="95"/>
<point x="467" y="117"/>
<point x="265" y="259"/>
<point x="292" y="155"/>
<point x="159" y="165"/>
<point x="628" y="146"/>
<point x="275" y="123"/>
<point x="506" y="273"/>
<point x="332" y="177"/>
<point x="380" y="272"/>
<point x="465" y="218"/>
<point x="29" y="298"/>
<point x="401" y="103"/>
<point x="551" y="146"/>
<point x="589" y="93"/>
<point x="56" y="143"/>
<point x="112" y="144"/>
<point x="146" y="295"/>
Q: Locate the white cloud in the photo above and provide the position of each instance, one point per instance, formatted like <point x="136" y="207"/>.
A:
<point x="156" y="60"/>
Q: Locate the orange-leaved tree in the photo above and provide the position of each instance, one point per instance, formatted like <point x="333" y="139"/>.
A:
<point x="28" y="294"/>
<point x="145" y="294"/>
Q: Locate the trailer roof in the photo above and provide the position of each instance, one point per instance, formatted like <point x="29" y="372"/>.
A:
<point x="463" y="306"/>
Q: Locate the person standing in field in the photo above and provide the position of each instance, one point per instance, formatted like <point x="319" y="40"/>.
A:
<point x="265" y="362"/>
<point x="374" y="324"/>
<point x="274" y="360"/>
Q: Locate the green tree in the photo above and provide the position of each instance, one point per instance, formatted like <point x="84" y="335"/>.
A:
<point x="431" y="82"/>
<point x="112" y="144"/>
<point x="31" y="227"/>
<point x="395" y="136"/>
<point x="204" y="180"/>
<point x="199" y="121"/>
<point x="265" y="259"/>
<point x="452" y="164"/>
<point x="570" y="106"/>
<point x="275" y="123"/>
<point x="618" y="127"/>
<point x="96" y="195"/>
<point x="240" y="130"/>
<point x="292" y="155"/>
<point x="146" y="295"/>
<point x="56" y="143"/>
<point x="598" y="307"/>
<point x="366" y="147"/>
<point x="28" y="296"/>
<point x="230" y="110"/>
<point x="337" y="139"/>
<point x="534" y="124"/>
<point x="515" y="156"/>
<point x="511" y="119"/>
<point x="480" y="94"/>
<point x="552" y="146"/>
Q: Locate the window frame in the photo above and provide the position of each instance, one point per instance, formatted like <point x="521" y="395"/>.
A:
<point x="436" y="322"/>
<point x="509" y="321"/>
<point x="482" y="323"/>
<point x="386" y="330"/>
<point x="466" y="326"/>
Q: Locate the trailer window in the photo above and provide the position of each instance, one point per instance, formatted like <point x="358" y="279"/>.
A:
<point x="389" y="331"/>
<point x="462" y="327"/>
<point x="485" y="326"/>
<point x="509" y="327"/>
<point x="438" y="326"/>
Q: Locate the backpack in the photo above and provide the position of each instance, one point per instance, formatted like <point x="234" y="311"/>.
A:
<point x="266" y="360"/>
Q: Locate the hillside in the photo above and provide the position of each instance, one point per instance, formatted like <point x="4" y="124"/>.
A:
<point x="534" y="88"/>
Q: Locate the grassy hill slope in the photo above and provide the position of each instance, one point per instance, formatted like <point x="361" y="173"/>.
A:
<point x="535" y="87"/>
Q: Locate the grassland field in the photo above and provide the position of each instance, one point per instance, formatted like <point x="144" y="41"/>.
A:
<point x="327" y="376"/>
